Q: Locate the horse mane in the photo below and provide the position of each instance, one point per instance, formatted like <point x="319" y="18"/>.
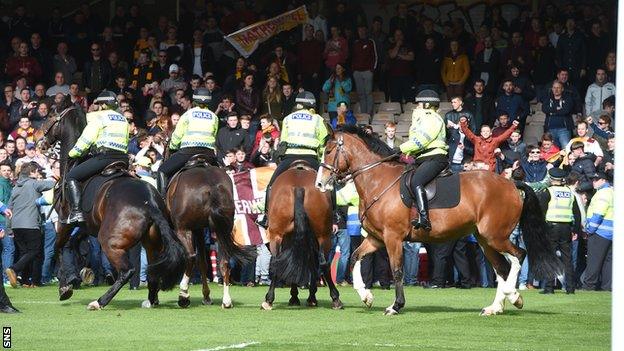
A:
<point x="376" y="145"/>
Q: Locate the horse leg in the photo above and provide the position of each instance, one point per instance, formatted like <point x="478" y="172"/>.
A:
<point x="501" y="268"/>
<point x="325" y="246"/>
<point x="314" y="276"/>
<point x="294" y="296"/>
<point x="152" y="282"/>
<point x="65" y="288"/>
<point x="119" y="259"/>
<point x="267" y="304"/>
<point x="514" y="255"/>
<point x="394" y="245"/>
<point x="186" y="238"/>
<point x="225" y="272"/>
<point x="203" y="265"/>
<point x="368" y="246"/>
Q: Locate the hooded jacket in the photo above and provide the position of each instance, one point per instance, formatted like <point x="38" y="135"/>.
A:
<point x="25" y="212"/>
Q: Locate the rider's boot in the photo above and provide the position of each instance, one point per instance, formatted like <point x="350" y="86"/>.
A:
<point x="423" y="209"/>
<point x="74" y="194"/>
<point x="264" y="222"/>
<point x="161" y="183"/>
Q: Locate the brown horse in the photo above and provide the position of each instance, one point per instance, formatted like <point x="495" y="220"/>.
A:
<point x="300" y="235"/>
<point x="126" y="212"/>
<point x="199" y="198"/>
<point x="490" y="207"/>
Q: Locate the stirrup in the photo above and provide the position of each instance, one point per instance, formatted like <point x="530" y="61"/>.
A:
<point x="417" y="223"/>
<point x="75" y="217"/>
<point x="264" y="222"/>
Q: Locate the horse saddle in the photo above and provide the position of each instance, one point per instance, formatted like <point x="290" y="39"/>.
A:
<point x="92" y="185"/>
<point x="302" y="165"/>
<point x="442" y="192"/>
<point x="198" y="160"/>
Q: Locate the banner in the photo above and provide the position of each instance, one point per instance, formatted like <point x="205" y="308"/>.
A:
<point x="249" y="192"/>
<point x="246" y="40"/>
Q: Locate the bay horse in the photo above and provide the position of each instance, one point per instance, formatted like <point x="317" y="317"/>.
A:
<point x="126" y="212"/>
<point x="198" y="198"/>
<point x="490" y="207"/>
<point x="299" y="235"/>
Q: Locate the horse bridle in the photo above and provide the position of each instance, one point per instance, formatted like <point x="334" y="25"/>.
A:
<point x="343" y="177"/>
<point x="56" y="119"/>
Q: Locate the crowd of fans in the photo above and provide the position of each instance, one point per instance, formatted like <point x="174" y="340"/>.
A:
<point x="549" y="59"/>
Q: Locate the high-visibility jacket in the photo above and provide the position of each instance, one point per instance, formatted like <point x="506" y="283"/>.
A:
<point x="427" y="135"/>
<point x="560" y="204"/>
<point x="600" y="213"/>
<point x="304" y="132"/>
<point x="197" y="127"/>
<point x="348" y="196"/>
<point x="106" y="129"/>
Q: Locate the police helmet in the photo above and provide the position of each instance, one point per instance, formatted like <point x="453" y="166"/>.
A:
<point x="428" y="96"/>
<point x="557" y="174"/>
<point x="201" y="96"/>
<point x="107" y="97"/>
<point x="305" y="99"/>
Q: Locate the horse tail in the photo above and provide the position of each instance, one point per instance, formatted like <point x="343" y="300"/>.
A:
<point x="543" y="261"/>
<point x="171" y="260"/>
<point x="299" y="254"/>
<point x="222" y="225"/>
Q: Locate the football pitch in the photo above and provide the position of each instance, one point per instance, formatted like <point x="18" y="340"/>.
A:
<point x="446" y="319"/>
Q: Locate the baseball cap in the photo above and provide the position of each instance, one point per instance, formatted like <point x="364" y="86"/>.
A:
<point x="174" y="68"/>
<point x="31" y="146"/>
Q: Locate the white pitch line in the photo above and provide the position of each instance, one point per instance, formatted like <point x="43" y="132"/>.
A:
<point x="234" y="346"/>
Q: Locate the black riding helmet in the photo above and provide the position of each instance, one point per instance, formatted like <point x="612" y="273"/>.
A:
<point x="108" y="98"/>
<point x="201" y="96"/>
<point x="305" y="99"/>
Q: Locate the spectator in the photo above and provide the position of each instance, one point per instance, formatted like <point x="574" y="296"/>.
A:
<point x="213" y="37"/>
<point x="285" y="64"/>
<point x="569" y="90"/>
<point x="309" y="61"/>
<point x="161" y="66"/>
<point x="10" y="104"/>
<point x="338" y="87"/>
<point x="599" y="226"/>
<point x="428" y="64"/>
<point x="8" y="246"/>
<point x="121" y="88"/>
<point x="225" y="109"/>
<point x="517" y="54"/>
<point x="534" y="167"/>
<point x="26" y="224"/>
<point x="590" y="144"/>
<point x="558" y="112"/>
<point x="289" y="99"/>
<point x="336" y="49"/>
<point x="23" y="65"/>
<point x="598" y="92"/>
<point x="610" y="66"/>
<point x="455" y="70"/>
<point x="511" y="103"/>
<point x="59" y="87"/>
<point x="119" y="67"/>
<point x="240" y="163"/>
<point x="481" y="104"/>
<point x="583" y="164"/>
<point x="544" y="68"/>
<point x="43" y="57"/>
<point x="173" y="46"/>
<point x="598" y="44"/>
<point x="143" y="72"/>
<point x="380" y="38"/>
<point x="602" y="130"/>
<point x="248" y="98"/>
<point x="40" y="114"/>
<point x="455" y="136"/>
<point x="486" y="147"/>
<point x="235" y="79"/>
<point x="198" y="56"/>
<point x="515" y="143"/>
<point x="502" y="124"/>
<point x="390" y="136"/>
<point x="230" y="137"/>
<point x="268" y="132"/>
<point x="487" y="65"/>
<point x="548" y="150"/>
<point x="403" y="21"/>
<point x="572" y="52"/>
<point x="64" y="63"/>
<point x="400" y="71"/>
<point x="272" y="99"/>
<point x="343" y="116"/>
<point x="364" y="63"/>
<point x="174" y="82"/>
<point x="77" y="99"/>
<point x="32" y="154"/>
<point x="97" y="73"/>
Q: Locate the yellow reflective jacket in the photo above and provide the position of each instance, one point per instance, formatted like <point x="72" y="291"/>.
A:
<point x="108" y="129"/>
<point x="197" y="127"/>
<point x="427" y="135"/>
<point x="560" y="204"/>
<point x="304" y="132"/>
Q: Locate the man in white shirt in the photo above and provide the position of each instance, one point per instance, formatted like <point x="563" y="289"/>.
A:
<point x="60" y="86"/>
<point x="591" y="144"/>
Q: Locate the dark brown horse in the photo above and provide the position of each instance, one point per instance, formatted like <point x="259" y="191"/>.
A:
<point x="202" y="198"/>
<point x="126" y="212"/>
<point x="300" y="235"/>
<point x="490" y="207"/>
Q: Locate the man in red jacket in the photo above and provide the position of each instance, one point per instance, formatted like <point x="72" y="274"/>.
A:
<point x="23" y="65"/>
<point x="364" y="62"/>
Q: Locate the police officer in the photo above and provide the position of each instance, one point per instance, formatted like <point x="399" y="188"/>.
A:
<point x="107" y="129"/>
<point x="562" y="215"/>
<point x="194" y="134"/>
<point x="427" y="144"/>
<point x="302" y="138"/>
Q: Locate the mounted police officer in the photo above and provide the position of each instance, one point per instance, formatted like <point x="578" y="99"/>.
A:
<point x="427" y="144"/>
<point x="195" y="134"/>
<point x="108" y="130"/>
<point x="562" y="215"/>
<point x="302" y="138"/>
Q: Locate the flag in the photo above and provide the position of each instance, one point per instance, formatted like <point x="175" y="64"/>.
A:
<point x="247" y="40"/>
<point x="249" y="193"/>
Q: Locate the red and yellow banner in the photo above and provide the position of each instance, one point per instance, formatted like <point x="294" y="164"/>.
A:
<point x="247" y="40"/>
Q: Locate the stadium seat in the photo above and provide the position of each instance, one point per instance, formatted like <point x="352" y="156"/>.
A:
<point x="353" y="97"/>
<point x="390" y="107"/>
<point x="405" y="117"/>
<point x="379" y="97"/>
<point x="382" y="118"/>
<point x="356" y="108"/>
<point x="363" y="118"/>
<point x="409" y="107"/>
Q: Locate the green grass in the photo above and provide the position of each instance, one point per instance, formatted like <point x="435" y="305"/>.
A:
<point x="432" y="320"/>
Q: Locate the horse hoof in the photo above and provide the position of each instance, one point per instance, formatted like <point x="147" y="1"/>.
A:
<point x="266" y="306"/>
<point x="226" y="306"/>
<point x="94" y="306"/>
<point x="489" y="311"/>
<point x="312" y="303"/>
<point x="519" y="302"/>
<point x="184" y="302"/>
<point x="294" y="302"/>
<point x="146" y="304"/>
<point x="337" y="305"/>
<point x="65" y="292"/>
<point x="206" y="302"/>
<point x="390" y="311"/>
<point x="368" y="300"/>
